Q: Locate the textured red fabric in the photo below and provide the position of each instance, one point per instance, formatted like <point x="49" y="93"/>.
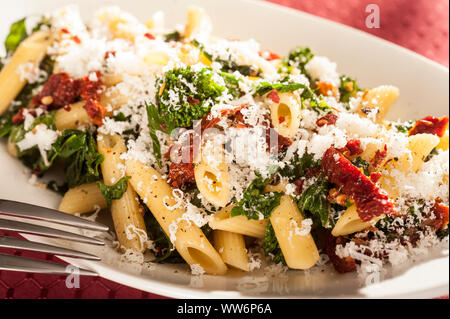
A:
<point x="419" y="25"/>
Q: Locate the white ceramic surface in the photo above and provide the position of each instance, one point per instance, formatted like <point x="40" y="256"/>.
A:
<point x="424" y="87"/>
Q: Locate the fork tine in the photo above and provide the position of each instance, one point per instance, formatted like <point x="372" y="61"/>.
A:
<point x="15" y="243"/>
<point x="20" y="227"/>
<point x="24" y="210"/>
<point x="16" y="263"/>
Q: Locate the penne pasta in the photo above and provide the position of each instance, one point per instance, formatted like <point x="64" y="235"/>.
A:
<point x="350" y="222"/>
<point x="381" y="97"/>
<point x="231" y="247"/>
<point x="238" y="224"/>
<point x="32" y="50"/>
<point x="444" y="141"/>
<point x="72" y="117"/>
<point x="198" y="24"/>
<point x="126" y="214"/>
<point x="285" y="115"/>
<point x="82" y="199"/>
<point x="189" y="241"/>
<point x="299" y="250"/>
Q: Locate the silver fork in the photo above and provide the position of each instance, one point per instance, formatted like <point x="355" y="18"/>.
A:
<point x="28" y="211"/>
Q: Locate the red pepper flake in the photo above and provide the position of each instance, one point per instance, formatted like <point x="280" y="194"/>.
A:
<point x="149" y="36"/>
<point x="369" y="199"/>
<point x="430" y="125"/>
<point x="329" y="119"/>
<point x="379" y="157"/>
<point x="281" y="119"/>
<point x="273" y="95"/>
<point x="342" y="265"/>
<point x="67" y="108"/>
<point x="109" y="53"/>
<point x="375" y="176"/>
<point x="193" y="100"/>
<point x="64" y="30"/>
<point x="269" y="55"/>
<point x="76" y="39"/>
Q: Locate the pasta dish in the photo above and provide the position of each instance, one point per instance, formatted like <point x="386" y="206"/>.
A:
<point x="216" y="152"/>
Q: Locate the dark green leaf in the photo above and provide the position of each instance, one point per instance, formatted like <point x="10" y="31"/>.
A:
<point x="173" y="36"/>
<point x="271" y="246"/>
<point x="17" y="33"/>
<point x="348" y="88"/>
<point x="256" y="203"/>
<point x="115" y="191"/>
<point x="313" y="201"/>
<point x="297" y="58"/>
<point x="405" y="127"/>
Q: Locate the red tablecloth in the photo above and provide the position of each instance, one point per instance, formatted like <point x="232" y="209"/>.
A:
<point x="418" y="25"/>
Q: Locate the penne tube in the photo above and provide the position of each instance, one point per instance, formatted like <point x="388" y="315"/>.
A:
<point x="188" y="239"/>
<point x="350" y="222"/>
<point x="238" y="224"/>
<point x="285" y="115"/>
<point x="231" y="247"/>
<point x="32" y="50"/>
<point x="198" y="24"/>
<point x="82" y="199"/>
<point x="299" y="250"/>
<point x="444" y="141"/>
<point x="126" y="214"/>
<point x="381" y="97"/>
<point x="73" y="117"/>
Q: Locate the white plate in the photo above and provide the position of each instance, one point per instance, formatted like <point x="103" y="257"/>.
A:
<point x="424" y="91"/>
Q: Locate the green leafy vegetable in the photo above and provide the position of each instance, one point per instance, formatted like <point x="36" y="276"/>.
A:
<point x="297" y="58"/>
<point x="313" y="201"/>
<point x="17" y="33"/>
<point x="286" y="86"/>
<point x="120" y="117"/>
<point x="298" y="166"/>
<point x="115" y="191"/>
<point x="433" y="152"/>
<point x="173" y="36"/>
<point x="228" y="65"/>
<point x="256" y="203"/>
<point x="271" y="246"/>
<point x="185" y="95"/>
<point x="83" y="165"/>
<point x="348" y="88"/>
<point x="405" y="127"/>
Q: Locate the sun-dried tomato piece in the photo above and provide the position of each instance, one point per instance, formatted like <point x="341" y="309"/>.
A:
<point x="299" y="186"/>
<point x="61" y="88"/>
<point x="181" y="174"/>
<point x="440" y="220"/>
<point x="342" y="265"/>
<point x="370" y="200"/>
<point x="375" y="176"/>
<point x="430" y="125"/>
<point x="379" y="157"/>
<point x="95" y="111"/>
<point x="352" y="148"/>
<point x="329" y="119"/>
<point x="19" y="117"/>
